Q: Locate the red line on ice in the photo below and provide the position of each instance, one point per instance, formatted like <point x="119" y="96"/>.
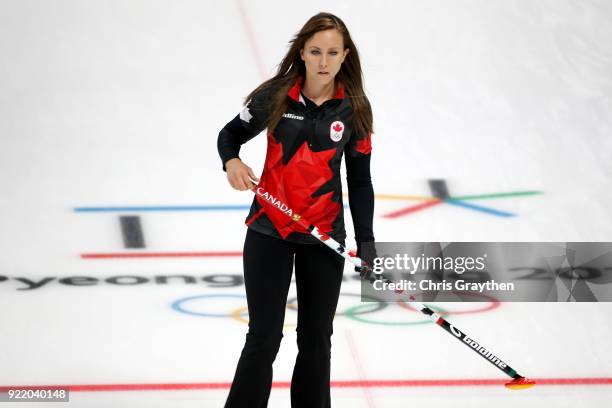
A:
<point x="413" y="208"/>
<point x="335" y="384"/>
<point x="160" y="254"/>
<point x="251" y="38"/>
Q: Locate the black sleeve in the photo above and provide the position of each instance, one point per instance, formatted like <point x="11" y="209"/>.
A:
<point x="360" y="189"/>
<point x="245" y="126"/>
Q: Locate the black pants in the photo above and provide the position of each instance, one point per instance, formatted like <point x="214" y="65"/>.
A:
<point x="268" y="267"/>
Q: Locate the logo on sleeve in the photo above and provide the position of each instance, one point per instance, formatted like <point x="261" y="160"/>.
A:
<point x="245" y="114"/>
<point x="336" y="130"/>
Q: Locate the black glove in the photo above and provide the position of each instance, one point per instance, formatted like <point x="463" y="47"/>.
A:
<point x="367" y="252"/>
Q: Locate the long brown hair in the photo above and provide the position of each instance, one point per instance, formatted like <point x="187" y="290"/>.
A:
<point x="292" y="67"/>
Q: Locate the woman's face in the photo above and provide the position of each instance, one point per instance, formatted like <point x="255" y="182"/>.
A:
<point x="323" y="55"/>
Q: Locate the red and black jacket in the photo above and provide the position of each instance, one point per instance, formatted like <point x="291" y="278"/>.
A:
<point x="302" y="166"/>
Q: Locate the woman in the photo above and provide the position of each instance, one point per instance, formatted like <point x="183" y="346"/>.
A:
<point x="315" y="111"/>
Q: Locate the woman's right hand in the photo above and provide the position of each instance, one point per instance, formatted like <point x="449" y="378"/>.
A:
<point x="240" y="175"/>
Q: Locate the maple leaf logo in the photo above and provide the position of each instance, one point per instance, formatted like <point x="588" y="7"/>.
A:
<point x="338" y="127"/>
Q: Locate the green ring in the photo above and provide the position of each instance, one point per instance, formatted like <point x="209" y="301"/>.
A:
<point x="352" y="313"/>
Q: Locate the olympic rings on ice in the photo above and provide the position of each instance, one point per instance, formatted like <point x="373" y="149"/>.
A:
<point x="193" y="305"/>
